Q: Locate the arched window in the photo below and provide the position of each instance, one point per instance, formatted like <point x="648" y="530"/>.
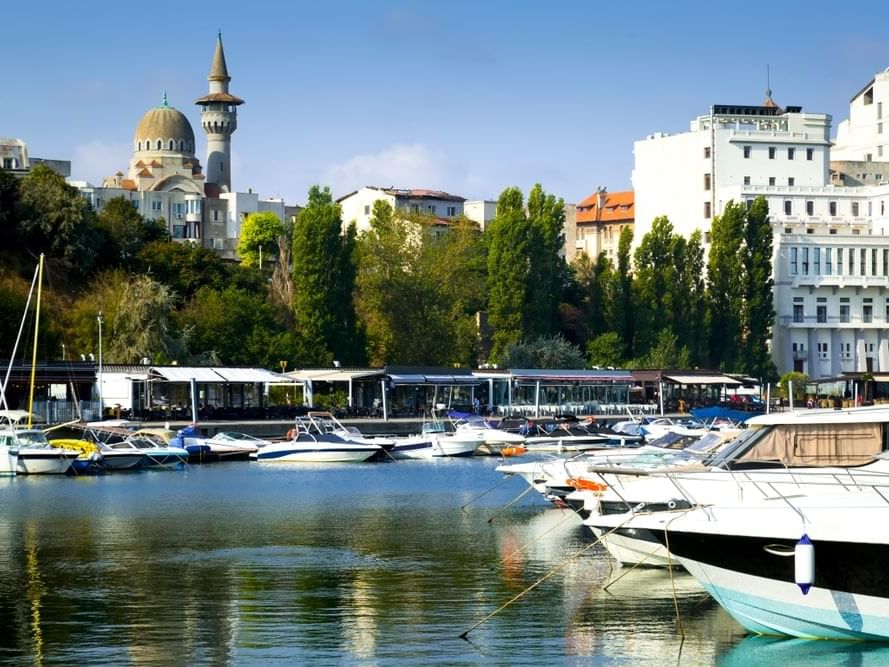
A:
<point x="181" y="145"/>
<point x="171" y="144"/>
<point x="158" y="144"/>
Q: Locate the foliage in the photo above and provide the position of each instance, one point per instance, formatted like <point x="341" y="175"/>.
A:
<point x="623" y="305"/>
<point x="323" y="283"/>
<point x="183" y="267"/>
<point x="725" y="289"/>
<point x="605" y="350"/>
<point x="124" y="231"/>
<point x="510" y="241"/>
<point x="655" y="282"/>
<point x="799" y="381"/>
<point x="56" y="220"/>
<point x="544" y="352"/>
<point x="260" y="234"/>
<point x="666" y="353"/>
<point x="758" y="306"/>
<point x="546" y="216"/>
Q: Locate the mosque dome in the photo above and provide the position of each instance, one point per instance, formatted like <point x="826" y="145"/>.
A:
<point x="164" y="128"/>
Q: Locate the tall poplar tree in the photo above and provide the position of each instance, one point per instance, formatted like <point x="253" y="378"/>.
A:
<point x="510" y="241"/>
<point x="725" y="288"/>
<point x="759" y="310"/>
<point x="655" y="283"/>
<point x="323" y="283"/>
<point x="547" y="217"/>
<point x="623" y="311"/>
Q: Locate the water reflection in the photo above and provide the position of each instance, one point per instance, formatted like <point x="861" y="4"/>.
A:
<point x="239" y="563"/>
<point x="769" y="651"/>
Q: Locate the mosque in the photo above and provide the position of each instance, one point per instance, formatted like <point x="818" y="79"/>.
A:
<point x="165" y="178"/>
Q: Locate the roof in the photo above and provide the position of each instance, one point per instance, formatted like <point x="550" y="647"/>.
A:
<point x="332" y="374"/>
<point x="703" y="379"/>
<point x="165" y="123"/>
<point x="619" y="207"/>
<point x="218" y="69"/>
<point x="215" y="375"/>
<point x="410" y="193"/>
<point x="569" y="375"/>
<point x="225" y="98"/>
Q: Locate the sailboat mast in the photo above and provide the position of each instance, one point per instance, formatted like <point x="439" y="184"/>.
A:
<point x="36" y="329"/>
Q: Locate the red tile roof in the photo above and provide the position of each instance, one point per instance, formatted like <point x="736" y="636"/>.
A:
<point x="618" y="208"/>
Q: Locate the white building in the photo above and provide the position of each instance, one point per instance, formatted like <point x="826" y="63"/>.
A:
<point x="14" y="158"/>
<point x="480" y="211"/>
<point x="357" y="206"/>
<point x="831" y="249"/>
<point x="682" y="175"/>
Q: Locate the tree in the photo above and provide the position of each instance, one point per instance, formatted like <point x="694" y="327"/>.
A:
<point x="184" y="267"/>
<point x="595" y="280"/>
<point x="546" y="216"/>
<point x="55" y="219"/>
<point x="123" y="229"/>
<point x="605" y="350"/>
<point x="725" y="290"/>
<point x="260" y="234"/>
<point x="323" y="283"/>
<point x="655" y="282"/>
<point x="510" y="240"/>
<point x="544" y="352"/>
<point x="759" y="311"/>
<point x="666" y="353"/>
<point x="623" y="311"/>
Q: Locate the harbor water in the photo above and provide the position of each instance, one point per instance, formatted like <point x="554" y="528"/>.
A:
<point x="366" y="564"/>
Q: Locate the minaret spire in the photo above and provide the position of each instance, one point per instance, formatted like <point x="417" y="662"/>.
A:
<point x="219" y="118"/>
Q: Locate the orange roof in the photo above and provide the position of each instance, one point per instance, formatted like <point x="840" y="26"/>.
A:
<point x="128" y="184"/>
<point x="145" y="174"/>
<point x="618" y="208"/>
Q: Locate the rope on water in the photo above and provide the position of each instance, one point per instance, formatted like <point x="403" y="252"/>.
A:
<point x="480" y="496"/>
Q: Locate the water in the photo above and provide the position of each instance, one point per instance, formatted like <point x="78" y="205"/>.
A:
<point x="367" y="564"/>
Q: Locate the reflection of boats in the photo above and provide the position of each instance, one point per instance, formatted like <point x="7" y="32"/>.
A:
<point x="762" y="651"/>
<point x="315" y="440"/>
<point x="809" y="566"/>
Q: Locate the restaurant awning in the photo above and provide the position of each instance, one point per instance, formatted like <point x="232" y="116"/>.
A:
<point x="567" y="375"/>
<point x="703" y="379"/>
<point x="186" y="374"/>
<point x="399" y="378"/>
<point x="251" y="375"/>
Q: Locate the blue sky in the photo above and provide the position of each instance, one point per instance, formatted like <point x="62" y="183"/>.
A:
<point x="468" y="97"/>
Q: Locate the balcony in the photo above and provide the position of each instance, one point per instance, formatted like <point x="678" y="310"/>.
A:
<point x="830" y="322"/>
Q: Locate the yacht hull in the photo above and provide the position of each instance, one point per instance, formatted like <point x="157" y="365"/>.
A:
<point x="44" y="461"/>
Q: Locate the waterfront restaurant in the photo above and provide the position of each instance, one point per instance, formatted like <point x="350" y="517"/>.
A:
<point x="63" y="390"/>
<point x="548" y="392"/>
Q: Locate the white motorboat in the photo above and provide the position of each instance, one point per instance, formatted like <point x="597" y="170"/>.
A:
<point x="230" y="445"/>
<point x="804" y="565"/>
<point x="313" y="441"/>
<point x="779" y="453"/>
<point x="155" y="453"/>
<point x="37" y="457"/>
<point x="436" y="441"/>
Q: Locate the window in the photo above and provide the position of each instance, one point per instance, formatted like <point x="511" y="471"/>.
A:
<point x="851" y="255"/>
<point x="821" y="314"/>
<point x="810" y="207"/>
<point x="844" y="313"/>
<point x="790" y="153"/>
<point x="746" y="152"/>
<point x="797" y="312"/>
<point x="788" y="207"/>
<point x="706" y="152"/>
<point x="810" y="154"/>
<point x="746" y="180"/>
<point x="867" y="313"/>
<point x="367" y="209"/>
<point x="452" y="211"/>
<point x="772" y="151"/>
<point x="816" y="261"/>
<point x="879" y="128"/>
<point x="706" y="181"/>
<point x="828" y="269"/>
<point x="873" y="261"/>
<point x="707" y="210"/>
<point x="847" y="350"/>
<point x="822" y="350"/>
<point x="862" y="257"/>
<point x="885" y="262"/>
<point x="887" y="310"/>
<point x="771" y="180"/>
<point x="158" y="144"/>
<point x="840" y="262"/>
<point x="805" y="261"/>
<point x="791" y="180"/>
<point x="855" y="209"/>
<point x="832" y="207"/>
<point x="430" y="208"/>
<point x="793" y="261"/>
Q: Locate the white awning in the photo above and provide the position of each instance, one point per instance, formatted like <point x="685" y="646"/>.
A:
<point x="407" y="379"/>
<point x="187" y="373"/>
<point x="330" y="375"/>
<point x="881" y="377"/>
<point x="703" y="379"/>
<point x="452" y="379"/>
<point x="251" y="375"/>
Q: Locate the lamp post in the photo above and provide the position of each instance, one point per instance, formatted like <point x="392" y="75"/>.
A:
<point x="101" y="401"/>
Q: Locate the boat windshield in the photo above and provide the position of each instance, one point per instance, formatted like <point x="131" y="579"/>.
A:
<point x="31" y="438"/>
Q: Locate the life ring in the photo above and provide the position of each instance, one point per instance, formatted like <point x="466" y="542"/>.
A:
<point x="587" y="485"/>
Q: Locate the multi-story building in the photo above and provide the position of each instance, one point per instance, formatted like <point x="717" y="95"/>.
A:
<point x="14" y="158"/>
<point x="357" y="206"/>
<point x="599" y="221"/>
<point x="830" y="242"/>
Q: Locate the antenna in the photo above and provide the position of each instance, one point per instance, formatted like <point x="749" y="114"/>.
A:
<point x="768" y="82"/>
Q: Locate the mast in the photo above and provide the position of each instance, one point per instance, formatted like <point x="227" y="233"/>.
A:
<point x="36" y="329"/>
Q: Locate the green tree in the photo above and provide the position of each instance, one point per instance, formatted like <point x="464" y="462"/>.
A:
<point x="260" y="235"/>
<point x="655" y="282"/>
<point x="56" y="220"/>
<point x="546" y="216"/>
<point x="124" y="231"/>
<point x="510" y="241"/>
<point x="544" y="352"/>
<point x="323" y="283"/>
<point x="183" y="267"/>
<point x="605" y="350"/>
<point x="758" y="309"/>
<point x="595" y="281"/>
<point x="725" y="288"/>
<point x="623" y="310"/>
<point x="666" y="353"/>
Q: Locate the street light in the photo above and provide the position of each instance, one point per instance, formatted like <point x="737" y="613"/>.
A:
<point x="101" y="400"/>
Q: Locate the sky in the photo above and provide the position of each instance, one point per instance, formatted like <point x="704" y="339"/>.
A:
<point x="469" y="97"/>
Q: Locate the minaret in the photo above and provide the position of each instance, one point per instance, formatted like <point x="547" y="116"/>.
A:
<point x="219" y="118"/>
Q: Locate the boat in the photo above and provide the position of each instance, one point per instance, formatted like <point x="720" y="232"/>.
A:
<point x="567" y="433"/>
<point x="312" y="441"/>
<point x="806" y="565"/>
<point x="155" y="453"/>
<point x="494" y="438"/>
<point x="34" y="454"/>
<point x="232" y="445"/>
<point x="784" y="452"/>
